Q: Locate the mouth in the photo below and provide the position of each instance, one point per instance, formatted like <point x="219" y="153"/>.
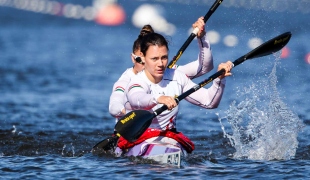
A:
<point x="160" y="71"/>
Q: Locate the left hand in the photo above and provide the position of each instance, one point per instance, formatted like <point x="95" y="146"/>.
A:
<point x="201" y="26"/>
<point x="169" y="101"/>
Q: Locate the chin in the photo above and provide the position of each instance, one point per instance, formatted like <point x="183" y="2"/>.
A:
<point x="159" y="76"/>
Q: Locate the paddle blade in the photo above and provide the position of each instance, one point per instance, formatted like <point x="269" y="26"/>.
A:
<point x="267" y="48"/>
<point x="105" y="145"/>
<point x="133" y="124"/>
<point x="271" y="46"/>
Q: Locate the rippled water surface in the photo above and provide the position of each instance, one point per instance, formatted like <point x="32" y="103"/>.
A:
<point x="56" y="76"/>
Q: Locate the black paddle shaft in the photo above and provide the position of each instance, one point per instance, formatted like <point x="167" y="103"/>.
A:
<point x="193" y="35"/>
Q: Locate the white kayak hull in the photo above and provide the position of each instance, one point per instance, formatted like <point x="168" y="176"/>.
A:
<point x="162" y="152"/>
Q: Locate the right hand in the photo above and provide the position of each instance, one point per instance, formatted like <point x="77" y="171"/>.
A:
<point x="227" y="66"/>
<point x="168" y="101"/>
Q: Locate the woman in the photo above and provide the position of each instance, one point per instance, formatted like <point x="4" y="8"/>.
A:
<point x="194" y="69"/>
<point x="157" y="85"/>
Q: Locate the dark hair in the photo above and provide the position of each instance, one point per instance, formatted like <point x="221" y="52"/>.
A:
<point x="146" y="29"/>
<point x="152" y="39"/>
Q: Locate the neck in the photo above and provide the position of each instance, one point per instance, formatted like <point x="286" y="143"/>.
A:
<point x="134" y="69"/>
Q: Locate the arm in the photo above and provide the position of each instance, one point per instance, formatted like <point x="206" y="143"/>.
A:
<point x="204" y="64"/>
<point x="211" y="97"/>
<point x="138" y="95"/>
<point x="117" y="98"/>
<point x="208" y="98"/>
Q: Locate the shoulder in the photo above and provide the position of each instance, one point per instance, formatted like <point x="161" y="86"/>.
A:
<point x="139" y="81"/>
<point x="127" y="74"/>
<point x="176" y="73"/>
<point x="139" y="78"/>
<point x="124" y="79"/>
<point x="169" y="73"/>
<point x="173" y="74"/>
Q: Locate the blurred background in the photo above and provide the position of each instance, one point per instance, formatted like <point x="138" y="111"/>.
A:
<point x="60" y="58"/>
<point x="100" y="33"/>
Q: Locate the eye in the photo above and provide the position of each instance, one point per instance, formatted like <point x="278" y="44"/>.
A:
<point x="164" y="58"/>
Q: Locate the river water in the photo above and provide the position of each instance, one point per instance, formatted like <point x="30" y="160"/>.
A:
<point x="56" y="75"/>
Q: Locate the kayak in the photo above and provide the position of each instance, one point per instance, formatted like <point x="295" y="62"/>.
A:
<point x="162" y="150"/>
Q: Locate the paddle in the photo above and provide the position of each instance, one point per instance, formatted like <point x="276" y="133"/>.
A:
<point x="133" y="124"/>
<point x="105" y="145"/>
<point x="194" y="34"/>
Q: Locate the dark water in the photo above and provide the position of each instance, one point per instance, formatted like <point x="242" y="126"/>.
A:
<point x="56" y="75"/>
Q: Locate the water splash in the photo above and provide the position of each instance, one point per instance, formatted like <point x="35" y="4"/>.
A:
<point x="14" y="129"/>
<point x="63" y="149"/>
<point x="263" y="127"/>
<point x="68" y="151"/>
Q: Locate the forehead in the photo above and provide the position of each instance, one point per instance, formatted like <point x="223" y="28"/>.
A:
<point x="155" y="50"/>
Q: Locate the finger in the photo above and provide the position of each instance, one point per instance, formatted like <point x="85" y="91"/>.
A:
<point x="230" y="63"/>
<point x="201" y="23"/>
<point x="228" y="74"/>
<point x="197" y="25"/>
<point x="171" y="106"/>
<point x="194" y="25"/>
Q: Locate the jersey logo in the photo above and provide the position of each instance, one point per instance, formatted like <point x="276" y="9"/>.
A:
<point x="134" y="86"/>
<point x="119" y="88"/>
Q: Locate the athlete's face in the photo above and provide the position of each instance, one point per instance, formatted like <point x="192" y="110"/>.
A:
<point x="156" y="60"/>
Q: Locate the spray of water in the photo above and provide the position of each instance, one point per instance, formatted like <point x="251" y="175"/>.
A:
<point x="263" y="127"/>
<point x="68" y="150"/>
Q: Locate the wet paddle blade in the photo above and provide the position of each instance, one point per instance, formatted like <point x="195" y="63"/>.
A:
<point x="133" y="124"/>
<point x="267" y="48"/>
<point x="105" y="145"/>
<point x="270" y="46"/>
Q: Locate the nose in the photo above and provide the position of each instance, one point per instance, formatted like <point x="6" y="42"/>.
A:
<point x="160" y="62"/>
